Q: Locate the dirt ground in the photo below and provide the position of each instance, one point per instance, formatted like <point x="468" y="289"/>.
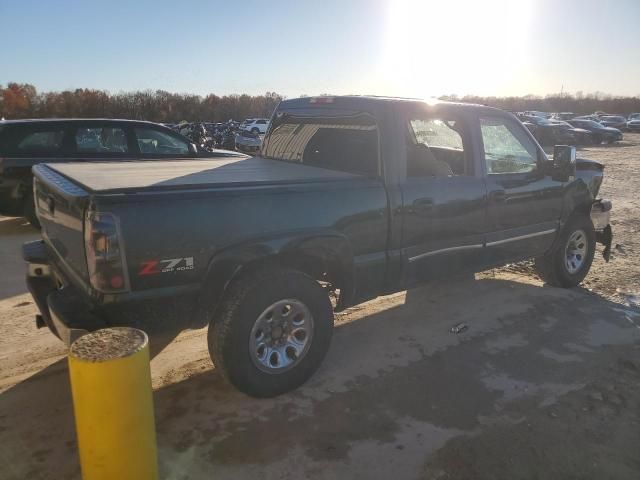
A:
<point x="544" y="384"/>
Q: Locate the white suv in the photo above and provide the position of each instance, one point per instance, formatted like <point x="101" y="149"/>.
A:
<point x="255" y="125"/>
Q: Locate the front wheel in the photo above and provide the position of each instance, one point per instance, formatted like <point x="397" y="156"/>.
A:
<point x="569" y="261"/>
<point x="271" y="331"/>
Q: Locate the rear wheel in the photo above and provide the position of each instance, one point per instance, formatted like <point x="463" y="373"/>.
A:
<point x="271" y="331"/>
<point x="570" y="260"/>
<point x="255" y="131"/>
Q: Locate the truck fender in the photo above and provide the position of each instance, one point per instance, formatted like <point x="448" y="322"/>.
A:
<point x="321" y="254"/>
<point x="577" y="200"/>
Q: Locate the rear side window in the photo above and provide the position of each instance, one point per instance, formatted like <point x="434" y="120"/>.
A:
<point x="36" y="140"/>
<point x="156" y="142"/>
<point x="105" y="139"/>
<point x="347" y="143"/>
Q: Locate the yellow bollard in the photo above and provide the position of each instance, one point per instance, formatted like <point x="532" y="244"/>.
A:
<point x="113" y="405"/>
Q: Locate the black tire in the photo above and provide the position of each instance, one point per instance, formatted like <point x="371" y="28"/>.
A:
<point x="553" y="268"/>
<point x="597" y="139"/>
<point x="30" y="211"/>
<point x="230" y="329"/>
<point x="255" y="131"/>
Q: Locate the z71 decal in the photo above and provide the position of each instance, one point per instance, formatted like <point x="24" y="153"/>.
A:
<point x="152" y="267"/>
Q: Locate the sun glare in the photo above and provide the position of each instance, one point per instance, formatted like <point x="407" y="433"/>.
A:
<point x="457" y="46"/>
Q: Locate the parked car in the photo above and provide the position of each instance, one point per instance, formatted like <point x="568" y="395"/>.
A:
<point x="256" y="125"/>
<point x="633" y="125"/>
<point x="563" y="115"/>
<point x="248" y="142"/>
<point x="614" y="121"/>
<point x="553" y="132"/>
<point x="535" y="113"/>
<point x="25" y="143"/>
<point x="353" y="197"/>
<point x="599" y="132"/>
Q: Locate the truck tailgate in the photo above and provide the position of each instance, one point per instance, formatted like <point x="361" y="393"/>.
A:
<point x="60" y="206"/>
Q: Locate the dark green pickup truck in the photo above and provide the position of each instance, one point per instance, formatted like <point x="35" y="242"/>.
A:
<point x="350" y="198"/>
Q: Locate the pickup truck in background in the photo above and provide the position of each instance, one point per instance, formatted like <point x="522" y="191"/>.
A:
<point x="25" y="143"/>
<point x="350" y="198"/>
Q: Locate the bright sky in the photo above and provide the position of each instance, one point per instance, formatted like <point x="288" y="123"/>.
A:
<point x="402" y="47"/>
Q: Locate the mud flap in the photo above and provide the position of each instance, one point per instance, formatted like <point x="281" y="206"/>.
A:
<point x="605" y="237"/>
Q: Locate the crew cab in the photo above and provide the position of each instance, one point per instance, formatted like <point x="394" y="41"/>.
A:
<point x="25" y="143"/>
<point x="350" y="198"/>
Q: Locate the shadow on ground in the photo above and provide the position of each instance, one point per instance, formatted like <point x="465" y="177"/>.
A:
<point x="395" y="387"/>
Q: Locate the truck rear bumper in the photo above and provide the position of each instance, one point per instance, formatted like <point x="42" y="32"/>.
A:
<point x="62" y="309"/>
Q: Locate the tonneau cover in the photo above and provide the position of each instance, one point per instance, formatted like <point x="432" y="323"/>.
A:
<point x="111" y="177"/>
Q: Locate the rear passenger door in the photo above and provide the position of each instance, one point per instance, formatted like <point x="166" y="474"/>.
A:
<point x="525" y="204"/>
<point x="443" y="211"/>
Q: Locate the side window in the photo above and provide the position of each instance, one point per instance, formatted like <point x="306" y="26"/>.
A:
<point x="435" y="148"/>
<point x="261" y="122"/>
<point x="101" y="140"/>
<point x="507" y="149"/>
<point x="38" y="142"/>
<point x="156" y="142"/>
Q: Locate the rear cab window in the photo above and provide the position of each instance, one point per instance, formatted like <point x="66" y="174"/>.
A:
<point x="332" y="139"/>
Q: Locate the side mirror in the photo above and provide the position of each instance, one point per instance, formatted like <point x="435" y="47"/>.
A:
<point x="564" y="163"/>
<point x="193" y="148"/>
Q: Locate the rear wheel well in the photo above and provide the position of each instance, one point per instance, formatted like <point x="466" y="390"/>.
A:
<point x="326" y="269"/>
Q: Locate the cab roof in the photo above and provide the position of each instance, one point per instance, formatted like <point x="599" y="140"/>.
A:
<point x="73" y="120"/>
<point x="364" y="101"/>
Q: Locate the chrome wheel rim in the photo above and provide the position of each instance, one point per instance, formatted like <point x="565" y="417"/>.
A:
<point x="281" y="336"/>
<point x="576" y="251"/>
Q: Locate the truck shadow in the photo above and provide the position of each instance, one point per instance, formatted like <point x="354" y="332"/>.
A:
<point x="390" y="360"/>
<point x="14" y="232"/>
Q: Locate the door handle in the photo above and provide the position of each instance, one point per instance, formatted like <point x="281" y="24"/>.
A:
<point x="498" y="195"/>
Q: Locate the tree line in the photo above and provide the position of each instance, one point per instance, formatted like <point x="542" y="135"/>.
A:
<point x="22" y="100"/>
<point x="578" y="103"/>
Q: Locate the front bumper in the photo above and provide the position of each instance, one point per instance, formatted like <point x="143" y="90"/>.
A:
<point x="62" y="308"/>
<point x="600" y="217"/>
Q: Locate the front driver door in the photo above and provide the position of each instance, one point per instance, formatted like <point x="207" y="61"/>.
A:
<point x="524" y="204"/>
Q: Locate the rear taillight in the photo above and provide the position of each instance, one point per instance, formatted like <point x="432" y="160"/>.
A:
<point x="104" y="251"/>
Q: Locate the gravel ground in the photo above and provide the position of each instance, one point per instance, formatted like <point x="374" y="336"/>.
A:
<point x="545" y="383"/>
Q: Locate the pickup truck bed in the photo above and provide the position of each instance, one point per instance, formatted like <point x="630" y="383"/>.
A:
<point x="128" y="177"/>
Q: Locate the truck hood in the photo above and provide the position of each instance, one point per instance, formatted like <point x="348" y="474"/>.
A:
<point x="131" y="177"/>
